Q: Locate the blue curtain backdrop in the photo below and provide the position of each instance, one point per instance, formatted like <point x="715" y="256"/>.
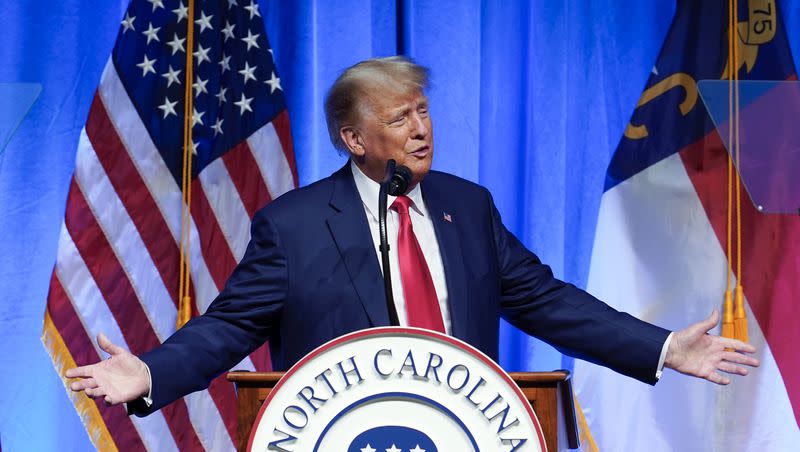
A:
<point x="529" y="98"/>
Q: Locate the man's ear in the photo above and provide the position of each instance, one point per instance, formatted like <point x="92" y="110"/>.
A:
<point x="353" y="140"/>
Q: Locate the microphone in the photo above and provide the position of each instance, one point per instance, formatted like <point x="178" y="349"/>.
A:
<point x="396" y="183"/>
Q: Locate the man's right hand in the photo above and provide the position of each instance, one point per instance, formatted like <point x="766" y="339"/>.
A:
<point x="120" y="378"/>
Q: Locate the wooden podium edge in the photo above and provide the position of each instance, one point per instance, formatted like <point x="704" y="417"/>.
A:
<point x="544" y="391"/>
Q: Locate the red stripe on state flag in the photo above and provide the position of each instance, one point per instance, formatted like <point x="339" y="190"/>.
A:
<point x="284" y="131"/>
<point x="771" y="257"/>
<point x="69" y="326"/>
<point x="122" y="301"/>
<point x="243" y="169"/>
<point x="134" y="194"/>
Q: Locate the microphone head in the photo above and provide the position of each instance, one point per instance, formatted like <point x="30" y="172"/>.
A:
<point x="401" y="178"/>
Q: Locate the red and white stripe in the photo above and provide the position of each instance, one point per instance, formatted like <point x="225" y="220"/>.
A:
<point x="117" y="265"/>
<point x="659" y="254"/>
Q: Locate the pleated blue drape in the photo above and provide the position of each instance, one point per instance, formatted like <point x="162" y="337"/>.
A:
<point x="529" y="98"/>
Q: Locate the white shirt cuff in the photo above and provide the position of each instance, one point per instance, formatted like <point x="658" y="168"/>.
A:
<point x="148" y="399"/>
<point x="661" y="359"/>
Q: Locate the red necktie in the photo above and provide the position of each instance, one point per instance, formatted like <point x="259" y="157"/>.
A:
<point x="422" y="304"/>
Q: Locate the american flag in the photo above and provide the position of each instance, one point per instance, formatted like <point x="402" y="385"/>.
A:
<point x="117" y="266"/>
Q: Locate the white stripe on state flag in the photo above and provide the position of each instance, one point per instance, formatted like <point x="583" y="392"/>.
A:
<point x="224" y="199"/>
<point x="268" y="152"/>
<point x="653" y="229"/>
<point x="125" y="240"/>
<point x="93" y="312"/>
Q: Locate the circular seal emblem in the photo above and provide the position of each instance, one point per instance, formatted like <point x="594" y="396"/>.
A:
<point x="396" y="389"/>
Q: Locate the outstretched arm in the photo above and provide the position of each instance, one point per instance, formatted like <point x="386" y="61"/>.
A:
<point x="121" y="378"/>
<point x="694" y="352"/>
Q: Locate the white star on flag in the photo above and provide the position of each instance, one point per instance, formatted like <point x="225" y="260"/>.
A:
<point x="201" y="54"/>
<point x="221" y="95"/>
<point x="197" y="117"/>
<point x="247" y="72"/>
<point x="157" y="4"/>
<point x="176" y="44"/>
<point x="168" y="107"/>
<point x="218" y="131"/>
<point x="204" y="21"/>
<point x="368" y="448"/>
<point x="232" y="3"/>
<point x="127" y="23"/>
<point x="147" y="66"/>
<point x="251" y="40"/>
<point x="224" y="62"/>
<point x="182" y="12"/>
<point x="151" y="33"/>
<point x="393" y="449"/>
<point x="244" y="104"/>
<point x="253" y="8"/>
<point x="228" y="30"/>
<point x="417" y="449"/>
<point x="172" y="76"/>
<point x="200" y="86"/>
<point x="274" y="83"/>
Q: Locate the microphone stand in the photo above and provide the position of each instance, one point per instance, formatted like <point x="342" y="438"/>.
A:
<point x="384" y="245"/>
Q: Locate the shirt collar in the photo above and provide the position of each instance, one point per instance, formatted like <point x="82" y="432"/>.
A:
<point x="368" y="189"/>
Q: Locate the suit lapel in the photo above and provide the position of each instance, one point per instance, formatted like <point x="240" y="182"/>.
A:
<point x="350" y="230"/>
<point x="445" y="224"/>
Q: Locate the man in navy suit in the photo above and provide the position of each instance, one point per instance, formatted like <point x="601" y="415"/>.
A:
<point x="311" y="272"/>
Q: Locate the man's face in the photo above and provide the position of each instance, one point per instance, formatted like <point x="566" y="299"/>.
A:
<point x="395" y="126"/>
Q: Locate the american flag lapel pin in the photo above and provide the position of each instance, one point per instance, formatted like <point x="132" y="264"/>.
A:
<point x="447" y="217"/>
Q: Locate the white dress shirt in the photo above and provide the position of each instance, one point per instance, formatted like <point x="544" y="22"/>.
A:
<point x="368" y="189"/>
<point x="422" y="224"/>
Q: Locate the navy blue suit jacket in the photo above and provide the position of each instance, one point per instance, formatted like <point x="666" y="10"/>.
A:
<point x="311" y="274"/>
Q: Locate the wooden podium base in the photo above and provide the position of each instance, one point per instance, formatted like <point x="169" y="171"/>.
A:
<point x="549" y="393"/>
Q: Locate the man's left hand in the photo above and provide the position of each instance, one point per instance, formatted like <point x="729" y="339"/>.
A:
<point x="692" y="351"/>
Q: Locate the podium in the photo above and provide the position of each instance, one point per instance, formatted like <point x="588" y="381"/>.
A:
<point x="549" y="393"/>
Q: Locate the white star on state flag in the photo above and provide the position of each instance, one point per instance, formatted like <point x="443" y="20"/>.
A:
<point x="368" y="448"/>
<point x="176" y="44"/>
<point x="221" y="95"/>
<point x="199" y="86"/>
<point x="168" y="107"/>
<point x="157" y="4"/>
<point x="172" y="76"/>
<point x="127" y="23"/>
<point x="244" y="104"/>
<point x="197" y="117"/>
<point x="251" y="40"/>
<point x="182" y="12"/>
<point x="218" y="131"/>
<point x="228" y="30"/>
<point x="201" y="54"/>
<point x="417" y="449"/>
<point x="204" y="21"/>
<point x="274" y="83"/>
<point x="151" y="33"/>
<point x="253" y="8"/>
<point x="247" y="72"/>
<point x="147" y="66"/>
<point x="393" y="449"/>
